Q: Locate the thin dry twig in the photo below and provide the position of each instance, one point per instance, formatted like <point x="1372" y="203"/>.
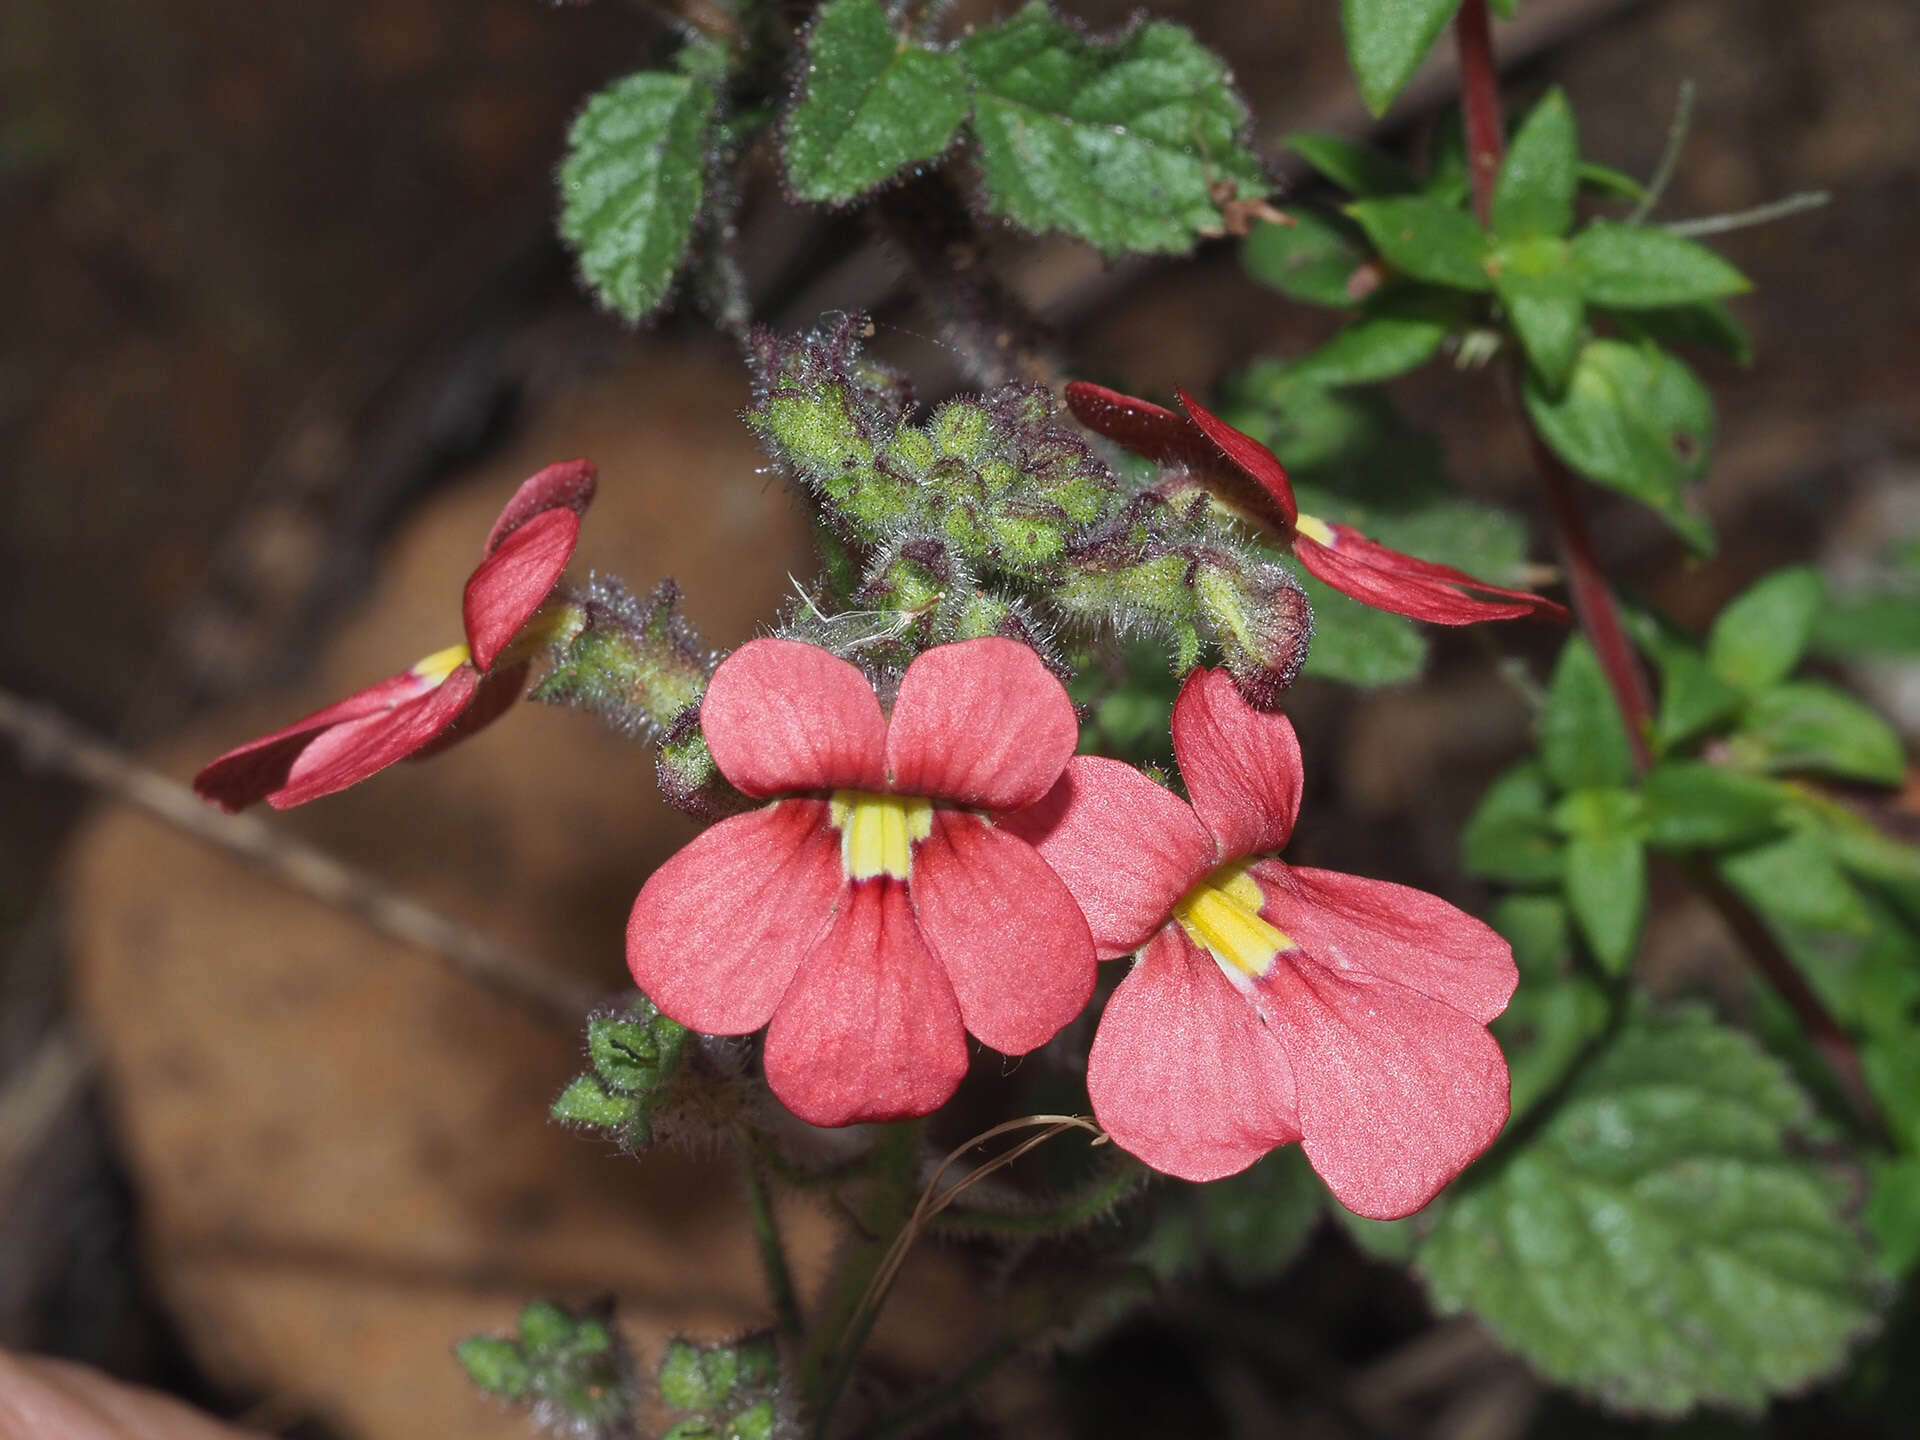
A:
<point x="49" y="740"/>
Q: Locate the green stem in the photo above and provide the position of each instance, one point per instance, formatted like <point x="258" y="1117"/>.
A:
<point x="840" y="1330"/>
<point x="773" y="1252"/>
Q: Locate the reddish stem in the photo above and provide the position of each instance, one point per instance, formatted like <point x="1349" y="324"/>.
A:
<point x="1480" y="100"/>
<point x="1593" y="601"/>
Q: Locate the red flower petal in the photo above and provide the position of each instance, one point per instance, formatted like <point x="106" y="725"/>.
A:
<point x="1183" y="1073"/>
<point x="515" y="580"/>
<point x="345" y="754"/>
<point x="1126" y="848"/>
<point x="1255" y="459"/>
<point x="1397" y="1093"/>
<point x="1006" y="930"/>
<point x="719" y="931"/>
<point x="1389" y="580"/>
<point x="1392" y="932"/>
<point x="784" y="716"/>
<point x="566" y="486"/>
<point x="1169" y="438"/>
<point x="869" y="1029"/>
<point x="1242" y="765"/>
<point x="497" y="694"/>
<point x="983" y="723"/>
<point x="248" y="773"/>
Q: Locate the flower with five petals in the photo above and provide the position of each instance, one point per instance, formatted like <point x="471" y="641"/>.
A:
<point x="1269" y="1002"/>
<point x="445" y="697"/>
<point x="872" y="912"/>
<point x="1248" y="478"/>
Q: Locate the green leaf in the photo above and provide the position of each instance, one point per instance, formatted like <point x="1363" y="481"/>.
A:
<point x="1115" y="142"/>
<point x="1706" y="326"/>
<point x="1583" y="741"/>
<point x="1641" y="267"/>
<point x="1533" y="194"/>
<point x="631" y="186"/>
<point x="1794" y="882"/>
<point x="692" y="1378"/>
<point x="1759" y="638"/>
<point x="1692" y="697"/>
<point x="1311" y="260"/>
<point x="1632" y="418"/>
<point x="1395" y="336"/>
<point x="1352" y="166"/>
<point x="1893" y="1211"/>
<point x="1657" y="1245"/>
<point x="1693" y="806"/>
<point x="1806" y="725"/>
<point x="1510" y="837"/>
<point x="1870" y="627"/>
<point x="872" y="104"/>
<point x="1426" y="239"/>
<point x="1609" y="181"/>
<point x="1387" y="40"/>
<point x="495" y="1365"/>
<point x="1606" y="887"/>
<point x="1256" y="1221"/>
<point x="1545" y="310"/>
<point x="1557" y="1010"/>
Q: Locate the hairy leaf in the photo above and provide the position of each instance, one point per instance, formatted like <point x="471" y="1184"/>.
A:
<point x="1657" y="1244"/>
<point x="631" y="186"/>
<point x="872" y="104"/>
<point x="1116" y="142"/>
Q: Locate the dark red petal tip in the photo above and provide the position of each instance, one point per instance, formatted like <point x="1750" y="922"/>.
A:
<point x="568" y="485"/>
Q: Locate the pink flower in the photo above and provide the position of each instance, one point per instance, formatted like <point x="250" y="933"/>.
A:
<point x="875" y="912"/>
<point x="445" y="697"/>
<point x="1249" y="479"/>
<point x="1271" y="1003"/>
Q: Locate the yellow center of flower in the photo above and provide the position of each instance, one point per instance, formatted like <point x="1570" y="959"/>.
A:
<point x="1315" y="529"/>
<point x="877" y="832"/>
<point x="1222" y="915"/>
<point x="438" y="666"/>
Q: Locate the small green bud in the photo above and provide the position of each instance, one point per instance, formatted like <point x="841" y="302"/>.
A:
<point x="635" y="663"/>
<point x="693" y="1378"/>
<point x="912" y="450"/>
<point x="544" y="1328"/>
<point x="635" y="1052"/>
<point x="1261" y="620"/>
<point x="753" y="1423"/>
<point x="585" y="1104"/>
<point x="961" y="427"/>
<point x="573" y="1370"/>
<point x="495" y="1365"/>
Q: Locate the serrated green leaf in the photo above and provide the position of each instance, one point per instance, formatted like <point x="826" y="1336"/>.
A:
<point x="1546" y="312"/>
<point x="1426" y="239"/>
<point x="872" y="104"/>
<point x="1706" y="326"/>
<point x="1758" y="639"/>
<point x="1358" y="168"/>
<point x="1533" y="194"/>
<point x="1387" y="40"/>
<point x="1606" y="887"/>
<point x="631" y="186"/>
<point x="1510" y="836"/>
<point x="1692" y="806"/>
<point x="1583" y="741"/>
<point x="1658" y="1245"/>
<point x="1641" y="267"/>
<point x="1255" y="1222"/>
<point x="1312" y="260"/>
<point x="1806" y="725"/>
<point x="1635" y="419"/>
<point x="1115" y="142"/>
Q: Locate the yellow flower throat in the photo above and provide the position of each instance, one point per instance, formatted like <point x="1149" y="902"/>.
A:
<point x="877" y="832"/>
<point x="1222" y="915"/>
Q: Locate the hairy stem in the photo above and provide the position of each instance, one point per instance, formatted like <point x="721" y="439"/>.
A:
<point x="1598" y="612"/>
<point x="773" y="1252"/>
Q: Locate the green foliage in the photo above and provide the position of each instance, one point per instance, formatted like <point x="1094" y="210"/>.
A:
<point x="631" y="186"/>
<point x="1399" y="330"/>
<point x="1705" y="326"/>
<point x="1724" y="1272"/>
<point x="1808" y="726"/>
<point x="1387" y="40"/>
<point x="1558" y="1011"/>
<point x="733" y="1389"/>
<point x="1642" y="267"/>
<point x="1882" y="618"/>
<point x="872" y="105"/>
<point x="1511" y="836"/>
<point x="1691" y="806"/>
<point x="1427" y="239"/>
<point x="1359" y="168"/>
<point x="636" y="1057"/>
<point x="1635" y="419"/>
<point x="570" y="1369"/>
<point x="1117" y="142"/>
<point x="1312" y="259"/>
<point x="1583" y="741"/>
<point x="1542" y="300"/>
<point x="1606" y="889"/>
<point x="1533" y="194"/>
<point x="1758" y="640"/>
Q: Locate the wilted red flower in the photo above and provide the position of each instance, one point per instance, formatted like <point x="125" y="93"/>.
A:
<point x="874" y="912"/>
<point x="445" y="697"/>
<point x="1248" y="478"/>
<point x="1271" y="1003"/>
